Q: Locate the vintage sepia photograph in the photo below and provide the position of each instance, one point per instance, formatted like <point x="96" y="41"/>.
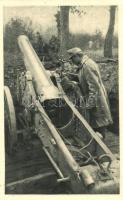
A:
<point x="61" y="99"/>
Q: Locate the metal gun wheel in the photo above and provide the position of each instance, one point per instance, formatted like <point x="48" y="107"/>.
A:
<point x="10" y="121"/>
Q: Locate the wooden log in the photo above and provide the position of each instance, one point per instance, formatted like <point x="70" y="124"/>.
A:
<point x="107" y="60"/>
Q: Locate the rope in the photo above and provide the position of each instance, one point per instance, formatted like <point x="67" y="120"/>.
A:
<point x="87" y="144"/>
<point x="69" y="122"/>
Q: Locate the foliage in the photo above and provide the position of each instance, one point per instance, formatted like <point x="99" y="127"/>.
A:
<point x="14" y="28"/>
<point x="82" y="40"/>
<point x="77" y="10"/>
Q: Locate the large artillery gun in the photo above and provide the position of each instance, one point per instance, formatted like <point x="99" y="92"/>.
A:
<point x="48" y="114"/>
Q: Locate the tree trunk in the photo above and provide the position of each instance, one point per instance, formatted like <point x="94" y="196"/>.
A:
<point x="64" y="29"/>
<point x="109" y="35"/>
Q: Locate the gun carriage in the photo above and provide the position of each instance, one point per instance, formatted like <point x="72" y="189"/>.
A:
<point x="48" y="114"/>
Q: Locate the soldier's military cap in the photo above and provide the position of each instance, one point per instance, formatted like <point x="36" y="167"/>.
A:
<point x="74" y="51"/>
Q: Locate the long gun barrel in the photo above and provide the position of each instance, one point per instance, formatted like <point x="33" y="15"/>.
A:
<point x="44" y="85"/>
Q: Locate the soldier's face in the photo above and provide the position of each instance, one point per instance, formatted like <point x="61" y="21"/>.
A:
<point x="77" y="59"/>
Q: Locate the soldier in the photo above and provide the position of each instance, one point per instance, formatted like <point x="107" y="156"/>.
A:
<point x="92" y="89"/>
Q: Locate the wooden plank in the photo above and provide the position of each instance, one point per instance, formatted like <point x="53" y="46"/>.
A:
<point x="90" y="130"/>
<point x="86" y="125"/>
<point x="20" y="185"/>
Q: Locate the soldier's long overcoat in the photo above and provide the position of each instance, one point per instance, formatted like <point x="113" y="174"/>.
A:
<point x="94" y="93"/>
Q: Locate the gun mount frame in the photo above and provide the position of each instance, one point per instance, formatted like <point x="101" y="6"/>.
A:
<point x="88" y="177"/>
